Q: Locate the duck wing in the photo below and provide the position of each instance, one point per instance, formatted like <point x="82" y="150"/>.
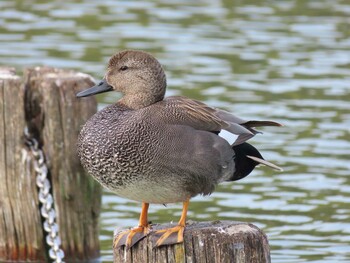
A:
<point x="185" y="111"/>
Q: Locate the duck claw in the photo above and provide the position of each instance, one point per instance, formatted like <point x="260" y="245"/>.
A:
<point x="129" y="238"/>
<point x="169" y="236"/>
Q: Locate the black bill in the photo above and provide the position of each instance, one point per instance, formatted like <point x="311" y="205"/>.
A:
<point x="101" y="87"/>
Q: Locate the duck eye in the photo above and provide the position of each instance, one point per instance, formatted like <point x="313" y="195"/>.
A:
<point x="123" y="68"/>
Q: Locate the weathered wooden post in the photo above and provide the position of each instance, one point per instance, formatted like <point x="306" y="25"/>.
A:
<point x="204" y="242"/>
<point x="45" y="102"/>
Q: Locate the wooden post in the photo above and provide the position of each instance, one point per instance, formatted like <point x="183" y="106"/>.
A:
<point x="205" y="242"/>
<point x="18" y="218"/>
<point x="45" y="102"/>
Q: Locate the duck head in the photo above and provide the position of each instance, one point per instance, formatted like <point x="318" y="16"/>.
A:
<point x="136" y="74"/>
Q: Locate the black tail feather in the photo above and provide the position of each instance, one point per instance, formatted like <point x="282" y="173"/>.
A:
<point x="243" y="165"/>
<point x="246" y="158"/>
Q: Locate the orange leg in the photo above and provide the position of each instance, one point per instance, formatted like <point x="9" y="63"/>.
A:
<point x="130" y="237"/>
<point x="175" y="234"/>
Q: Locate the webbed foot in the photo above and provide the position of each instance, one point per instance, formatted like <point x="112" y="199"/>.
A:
<point x="129" y="238"/>
<point x="168" y="236"/>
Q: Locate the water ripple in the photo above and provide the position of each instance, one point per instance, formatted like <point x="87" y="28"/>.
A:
<point x="272" y="60"/>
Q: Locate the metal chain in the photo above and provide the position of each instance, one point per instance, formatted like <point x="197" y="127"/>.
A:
<point x="45" y="198"/>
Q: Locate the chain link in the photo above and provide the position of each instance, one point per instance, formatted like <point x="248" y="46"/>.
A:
<point x="45" y="198"/>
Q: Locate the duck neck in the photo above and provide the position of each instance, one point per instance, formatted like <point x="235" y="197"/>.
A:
<point x="139" y="100"/>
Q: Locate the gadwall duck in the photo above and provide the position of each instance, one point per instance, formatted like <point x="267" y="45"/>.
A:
<point x="160" y="150"/>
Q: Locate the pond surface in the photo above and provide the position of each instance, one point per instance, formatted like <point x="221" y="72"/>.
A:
<point x="287" y="61"/>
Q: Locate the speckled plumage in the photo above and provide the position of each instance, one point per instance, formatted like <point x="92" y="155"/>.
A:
<point x="155" y="150"/>
<point x="124" y="151"/>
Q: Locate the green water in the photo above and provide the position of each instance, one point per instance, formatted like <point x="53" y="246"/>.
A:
<point x="283" y="60"/>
